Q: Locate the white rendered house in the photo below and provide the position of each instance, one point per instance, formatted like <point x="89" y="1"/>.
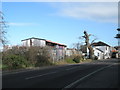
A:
<point x="102" y="50"/>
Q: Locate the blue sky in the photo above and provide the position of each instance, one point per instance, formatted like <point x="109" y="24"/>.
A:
<point x="61" y="22"/>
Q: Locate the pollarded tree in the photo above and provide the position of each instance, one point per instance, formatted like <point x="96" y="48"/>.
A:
<point x="88" y="44"/>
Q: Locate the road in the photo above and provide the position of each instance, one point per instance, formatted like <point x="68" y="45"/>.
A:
<point x="97" y="74"/>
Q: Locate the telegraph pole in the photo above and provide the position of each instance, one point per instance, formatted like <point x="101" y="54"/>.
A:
<point x="118" y="36"/>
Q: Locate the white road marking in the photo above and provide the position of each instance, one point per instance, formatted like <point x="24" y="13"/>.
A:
<point x="9" y="73"/>
<point x="74" y="83"/>
<point x="39" y="75"/>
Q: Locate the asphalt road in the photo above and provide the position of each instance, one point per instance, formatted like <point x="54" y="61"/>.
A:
<point x="98" y="74"/>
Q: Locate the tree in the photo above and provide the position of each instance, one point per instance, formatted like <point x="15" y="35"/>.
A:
<point x="3" y="27"/>
<point x="3" y="41"/>
<point x="88" y="45"/>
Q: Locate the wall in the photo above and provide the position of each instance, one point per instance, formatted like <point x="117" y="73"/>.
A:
<point x="34" y="42"/>
<point x="26" y="43"/>
<point x="98" y="53"/>
<point x="37" y="42"/>
<point x="106" y="50"/>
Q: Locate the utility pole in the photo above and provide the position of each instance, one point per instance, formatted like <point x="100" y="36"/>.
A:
<point x="118" y="36"/>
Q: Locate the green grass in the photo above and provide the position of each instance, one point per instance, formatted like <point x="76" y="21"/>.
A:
<point x="69" y="60"/>
<point x="65" y="61"/>
<point x="86" y="60"/>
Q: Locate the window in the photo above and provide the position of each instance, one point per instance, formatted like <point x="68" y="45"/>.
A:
<point x="106" y="47"/>
<point x="98" y="54"/>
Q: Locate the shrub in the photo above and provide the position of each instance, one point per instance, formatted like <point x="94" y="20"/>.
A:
<point x="95" y="58"/>
<point x="69" y="60"/>
<point x="14" y="62"/>
<point x="21" y="57"/>
<point x="43" y="60"/>
<point x="77" y="59"/>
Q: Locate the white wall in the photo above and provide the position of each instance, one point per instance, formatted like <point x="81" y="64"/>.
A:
<point x="26" y="43"/>
<point x="35" y="42"/>
<point x="68" y="52"/>
<point x="98" y="53"/>
<point x="106" y="50"/>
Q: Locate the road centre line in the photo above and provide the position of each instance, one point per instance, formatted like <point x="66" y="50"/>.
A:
<point x="77" y="81"/>
<point x="47" y="73"/>
<point x="39" y="75"/>
<point x="16" y="72"/>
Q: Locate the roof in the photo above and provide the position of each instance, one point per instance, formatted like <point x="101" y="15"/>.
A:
<point x="117" y="47"/>
<point x="100" y="43"/>
<point x="99" y="49"/>
<point x="55" y="43"/>
<point x="33" y="38"/>
<point x="45" y="40"/>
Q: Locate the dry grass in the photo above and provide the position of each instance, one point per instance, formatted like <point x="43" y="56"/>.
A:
<point x="87" y="60"/>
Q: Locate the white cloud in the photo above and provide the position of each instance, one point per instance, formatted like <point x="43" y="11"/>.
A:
<point x="103" y="12"/>
<point x="22" y="24"/>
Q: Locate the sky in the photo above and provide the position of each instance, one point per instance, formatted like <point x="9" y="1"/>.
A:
<point x="62" y="22"/>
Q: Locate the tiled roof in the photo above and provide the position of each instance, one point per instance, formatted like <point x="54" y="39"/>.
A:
<point x="55" y="43"/>
<point x="100" y="44"/>
<point x="46" y="41"/>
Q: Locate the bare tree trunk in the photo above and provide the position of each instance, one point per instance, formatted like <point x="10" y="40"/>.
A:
<point x="91" y="52"/>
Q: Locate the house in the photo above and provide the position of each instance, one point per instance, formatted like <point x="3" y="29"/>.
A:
<point x="41" y="42"/>
<point x="34" y="42"/>
<point x="99" y="53"/>
<point x="57" y="49"/>
<point x="70" y="52"/>
<point x="102" y="50"/>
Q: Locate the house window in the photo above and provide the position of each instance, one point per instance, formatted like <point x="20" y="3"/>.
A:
<point x="98" y="54"/>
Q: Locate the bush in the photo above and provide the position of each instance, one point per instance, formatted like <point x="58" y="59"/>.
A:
<point x="42" y="60"/>
<point x="77" y="59"/>
<point x="21" y="57"/>
<point x="14" y="62"/>
<point x="95" y="58"/>
<point x="69" y="60"/>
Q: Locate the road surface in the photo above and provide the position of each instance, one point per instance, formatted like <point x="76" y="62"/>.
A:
<point x="97" y="74"/>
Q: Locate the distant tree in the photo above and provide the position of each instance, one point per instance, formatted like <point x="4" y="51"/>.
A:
<point x="3" y="28"/>
<point x="77" y="46"/>
<point x="88" y="44"/>
<point x="3" y="41"/>
<point x="83" y="48"/>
